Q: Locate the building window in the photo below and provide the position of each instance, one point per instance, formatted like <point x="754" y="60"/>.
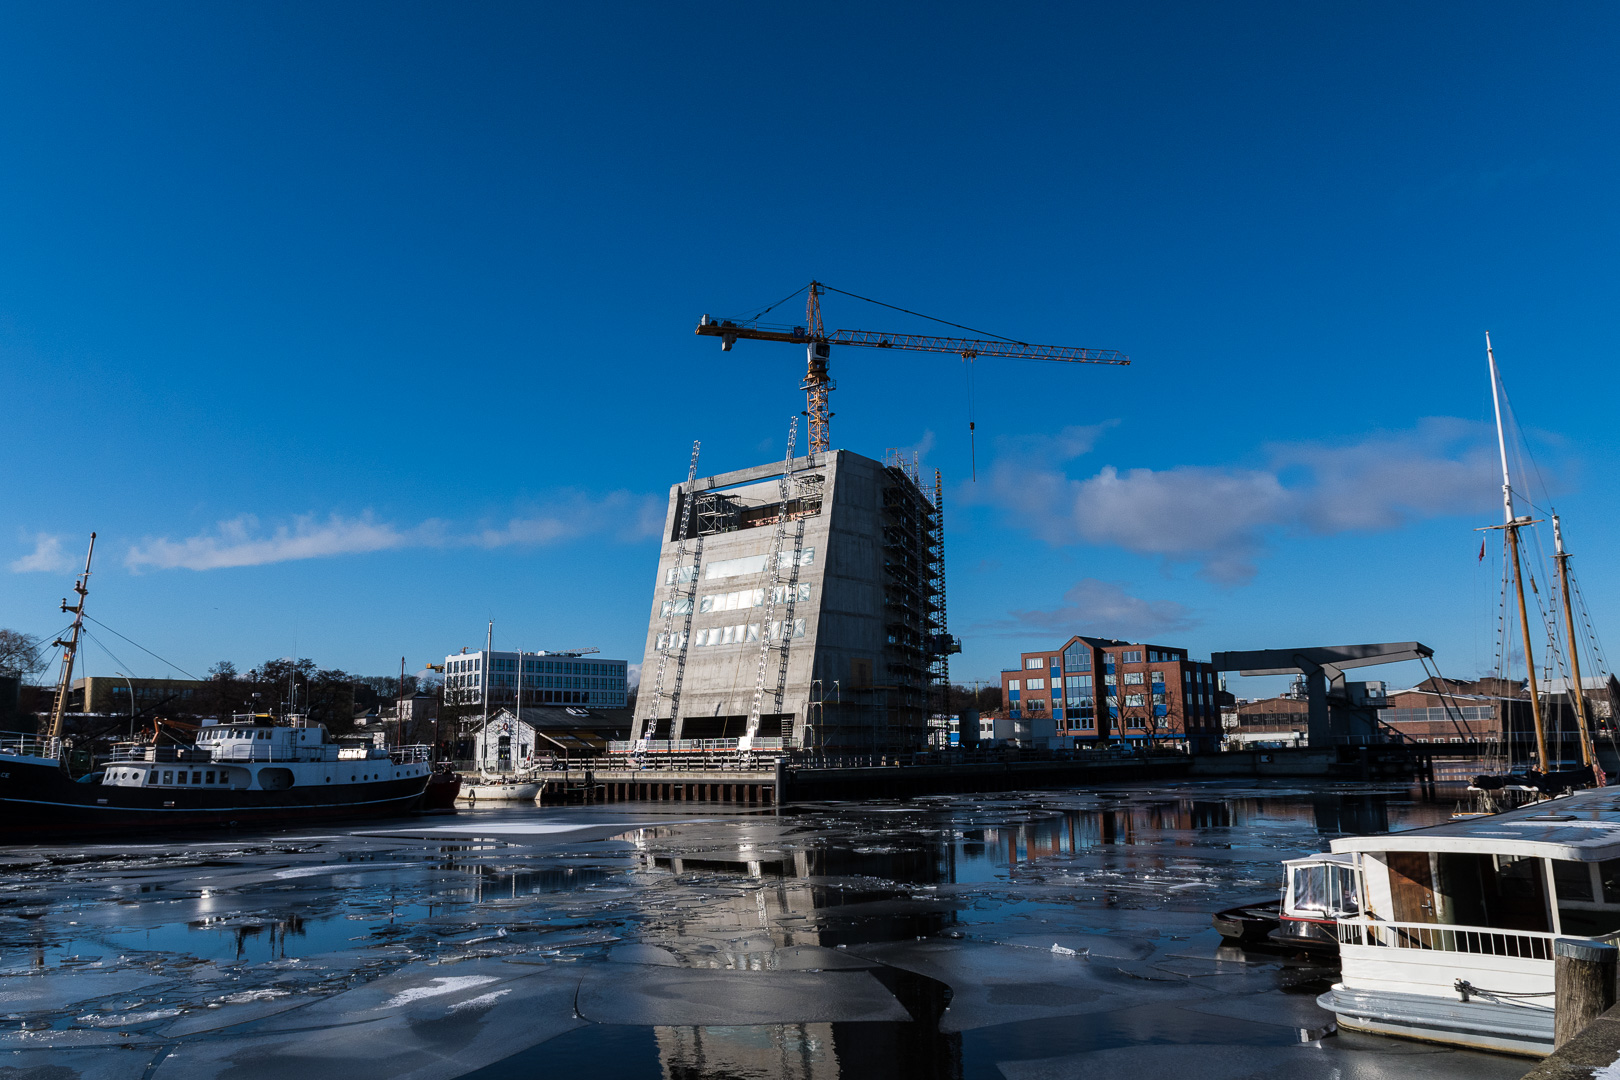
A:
<point x="1132" y="656"/>
<point x="665" y="610"/>
<point x="1077" y="657"/>
<point x="1133" y="678"/>
<point x="1133" y="700"/>
<point x="680" y="575"/>
<point x="1012" y="684"/>
<point x="754" y="564"/>
<point x="1035" y="684"/>
<point x="1035" y="663"/>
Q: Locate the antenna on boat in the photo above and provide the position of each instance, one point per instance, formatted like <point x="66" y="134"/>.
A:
<point x="1511" y="525"/>
<point x="70" y="647"/>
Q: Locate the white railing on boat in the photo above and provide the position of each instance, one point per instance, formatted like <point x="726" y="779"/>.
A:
<point x="26" y="744"/>
<point x="1439" y="937"/>
<point x="404" y="755"/>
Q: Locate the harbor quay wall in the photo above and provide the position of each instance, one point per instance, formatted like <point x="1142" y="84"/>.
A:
<point x="1597" y="1047"/>
<point x="772" y="783"/>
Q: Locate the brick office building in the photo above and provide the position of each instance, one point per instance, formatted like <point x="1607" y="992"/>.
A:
<point x="1096" y="691"/>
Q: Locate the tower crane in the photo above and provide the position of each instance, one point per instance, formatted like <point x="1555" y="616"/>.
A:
<point x="818" y="385"/>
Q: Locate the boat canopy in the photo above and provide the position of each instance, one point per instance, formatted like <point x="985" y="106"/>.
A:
<point x="1583" y="827"/>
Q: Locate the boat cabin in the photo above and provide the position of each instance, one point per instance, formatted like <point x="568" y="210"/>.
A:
<point x="1549" y="868"/>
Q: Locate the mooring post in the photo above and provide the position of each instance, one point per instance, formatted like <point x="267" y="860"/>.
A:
<point x="781" y="782"/>
<point x="1583" y="985"/>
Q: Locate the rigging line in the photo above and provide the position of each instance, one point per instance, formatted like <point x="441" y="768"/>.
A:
<point x="143" y="648"/>
<point x="767" y="310"/>
<point x="1444" y="695"/>
<point x="1524" y="443"/>
<point x="920" y="315"/>
<point x="100" y="645"/>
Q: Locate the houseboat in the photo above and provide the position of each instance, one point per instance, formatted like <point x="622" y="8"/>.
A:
<point x="1446" y="933"/>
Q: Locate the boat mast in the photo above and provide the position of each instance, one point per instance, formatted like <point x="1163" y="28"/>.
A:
<point x="1511" y="523"/>
<point x="517" y="710"/>
<point x="70" y="647"/>
<point x="1579" y="690"/>
<point x="483" y="679"/>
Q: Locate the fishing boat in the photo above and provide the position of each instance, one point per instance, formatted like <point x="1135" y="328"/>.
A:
<point x="250" y="770"/>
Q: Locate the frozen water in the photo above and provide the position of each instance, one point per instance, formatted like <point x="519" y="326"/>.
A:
<point x="1007" y="935"/>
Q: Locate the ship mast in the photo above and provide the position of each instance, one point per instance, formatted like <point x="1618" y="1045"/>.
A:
<point x="1511" y="524"/>
<point x="70" y="647"/>
<point x="1578" y="691"/>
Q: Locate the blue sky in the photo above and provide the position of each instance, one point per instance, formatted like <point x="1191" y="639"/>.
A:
<point x="350" y="327"/>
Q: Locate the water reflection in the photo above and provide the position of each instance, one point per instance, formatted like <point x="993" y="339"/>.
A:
<point x="834" y="879"/>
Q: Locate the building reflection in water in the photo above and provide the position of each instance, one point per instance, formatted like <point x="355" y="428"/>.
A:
<point x="816" y="887"/>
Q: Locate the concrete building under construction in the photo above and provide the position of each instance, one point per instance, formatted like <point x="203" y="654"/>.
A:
<point x="802" y="601"/>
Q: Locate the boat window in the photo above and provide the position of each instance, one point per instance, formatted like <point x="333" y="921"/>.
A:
<point x="1609" y="880"/>
<point x="181" y="778"/>
<point x="1587" y="901"/>
<point x="1573" y="880"/>
<point x="168" y="776"/>
<point x="1325" y="888"/>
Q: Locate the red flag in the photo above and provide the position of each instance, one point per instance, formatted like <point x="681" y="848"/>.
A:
<point x="1482" y="549"/>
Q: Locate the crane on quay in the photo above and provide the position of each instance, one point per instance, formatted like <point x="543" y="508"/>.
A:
<point x="818" y="385"/>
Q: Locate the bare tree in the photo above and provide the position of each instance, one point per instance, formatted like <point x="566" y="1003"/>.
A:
<point x="20" y="655"/>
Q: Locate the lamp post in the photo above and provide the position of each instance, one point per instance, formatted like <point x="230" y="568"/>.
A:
<point x="126" y="679"/>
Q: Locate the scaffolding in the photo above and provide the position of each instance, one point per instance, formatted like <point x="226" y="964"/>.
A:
<point x="681" y="602"/>
<point x="768" y="637"/>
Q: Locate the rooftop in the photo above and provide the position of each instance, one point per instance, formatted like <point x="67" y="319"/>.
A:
<point x="1584" y="827"/>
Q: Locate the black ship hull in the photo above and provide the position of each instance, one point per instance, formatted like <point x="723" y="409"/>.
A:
<point x="39" y="801"/>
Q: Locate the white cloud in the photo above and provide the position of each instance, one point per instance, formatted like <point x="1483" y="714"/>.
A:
<point x="1222" y="518"/>
<point x="1099" y="608"/>
<point x="47" y="557"/>
<point x="242" y="542"/>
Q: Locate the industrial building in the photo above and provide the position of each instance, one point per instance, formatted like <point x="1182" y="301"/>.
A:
<point x="549" y="678"/>
<point x="111" y="695"/>
<point x="801" y="601"/>
<point x="1148" y="694"/>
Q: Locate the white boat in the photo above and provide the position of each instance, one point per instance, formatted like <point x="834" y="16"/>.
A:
<point x="493" y="789"/>
<point x="1446" y="933"/>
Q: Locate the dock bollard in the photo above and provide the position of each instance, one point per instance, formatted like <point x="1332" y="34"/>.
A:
<point x="1583" y="985"/>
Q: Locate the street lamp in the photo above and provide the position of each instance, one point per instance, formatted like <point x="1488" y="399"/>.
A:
<point x="126" y="679"/>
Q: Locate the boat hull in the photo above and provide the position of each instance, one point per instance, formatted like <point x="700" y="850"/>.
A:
<point x="1476" y="1025"/>
<point x="499" y="792"/>
<point x="39" y="801"/>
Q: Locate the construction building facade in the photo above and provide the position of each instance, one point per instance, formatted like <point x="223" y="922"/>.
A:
<point x="799" y="604"/>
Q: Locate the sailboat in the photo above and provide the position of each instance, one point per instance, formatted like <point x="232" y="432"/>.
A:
<point x="1548" y="777"/>
<point x="497" y="787"/>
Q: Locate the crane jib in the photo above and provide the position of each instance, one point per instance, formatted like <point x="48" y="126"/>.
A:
<point x="966" y="347"/>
